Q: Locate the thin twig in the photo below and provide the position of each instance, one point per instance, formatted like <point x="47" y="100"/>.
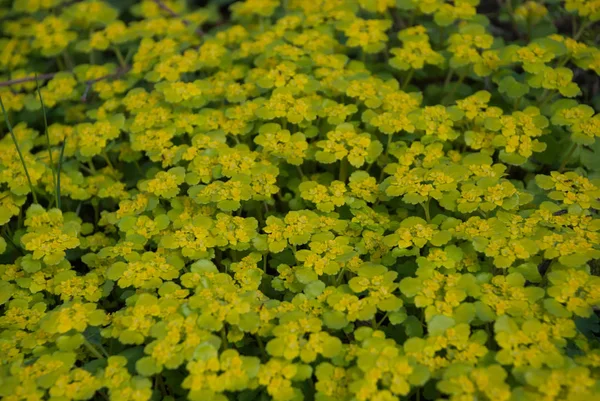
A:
<point x="88" y="84"/>
<point x="27" y="79"/>
<point x="120" y="71"/>
<point x="186" y="22"/>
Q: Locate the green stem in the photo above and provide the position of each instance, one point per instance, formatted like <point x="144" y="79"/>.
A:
<point x="411" y="72"/>
<point x="413" y="15"/>
<point x="426" y="209"/>
<point x="224" y="338"/>
<point x="96" y="211"/>
<point x="11" y="242"/>
<point x="61" y="63"/>
<point x="567" y="158"/>
<point x="344" y="167"/>
<point x="448" y="78"/>
<point x="382" y="320"/>
<point x="511" y="15"/>
<point x="107" y="159"/>
<point x="261" y="346"/>
<point x="386" y="155"/>
<point x="68" y="61"/>
<point x="259" y="216"/>
<point x="120" y="57"/>
<point x="58" y="170"/>
<point x="161" y="385"/>
<point x="546" y="95"/>
<point x="340" y="276"/>
<point x="450" y="95"/>
<point x="54" y="182"/>
<point x="14" y="138"/>
<point x="92" y="349"/>
<point x="582" y="29"/>
<point x="564" y="60"/>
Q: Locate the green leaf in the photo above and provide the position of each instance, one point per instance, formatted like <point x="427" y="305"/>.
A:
<point x="146" y="366"/>
<point x="441" y="238"/>
<point x="397" y="317"/>
<point x="555" y="308"/>
<point x="512" y="88"/>
<point x="306" y="275"/>
<point x="438" y="325"/>
<point x="335" y="320"/>
<point x="413" y="327"/>
<point x="419" y="376"/>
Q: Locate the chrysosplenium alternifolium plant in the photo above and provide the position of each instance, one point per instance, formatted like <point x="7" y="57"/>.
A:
<point x="331" y="200"/>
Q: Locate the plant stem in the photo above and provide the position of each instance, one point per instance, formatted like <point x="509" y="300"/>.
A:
<point x="426" y="209"/>
<point x="340" y="276"/>
<point x="261" y="346"/>
<point x="546" y="95"/>
<point x="120" y="57"/>
<point x="567" y="158"/>
<point x="448" y="78"/>
<point x="386" y="155"/>
<point x="161" y="384"/>
<point x="450" y="95"/>
<point x="107" y="159"/>
<point x="14" y="138"/>
<point x="61" y="63"/>
<point x="408" y="78"/>
<point x="8" y="239"/>
<point x="344" y="166"/>
<point x="68" y="61"/>
<point x="582" y="29"/>
<point x="37" y="84"/>
<point x="511" y="15"/>
<point x="224" y="338"/>
<point x="92" y="349"/>
<point x="60" y="162"/>
<point x="382" y="320"/>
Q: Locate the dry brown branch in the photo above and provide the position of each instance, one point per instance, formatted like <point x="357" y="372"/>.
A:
<point x="11" y="82"/>
<point x="164" y="7"/>
<point x="120" y="71"/>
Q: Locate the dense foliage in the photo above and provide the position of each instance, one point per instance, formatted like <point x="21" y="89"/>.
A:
<point x="307" y="199"/>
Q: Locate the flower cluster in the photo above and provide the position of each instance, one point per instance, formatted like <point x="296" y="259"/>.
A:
<point x="330" y="200"/>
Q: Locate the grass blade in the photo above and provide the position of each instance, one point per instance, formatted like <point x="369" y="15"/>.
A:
<point x="37" y="84"/>
<point x="60" y="162"/>
<point x="14" y="138"/>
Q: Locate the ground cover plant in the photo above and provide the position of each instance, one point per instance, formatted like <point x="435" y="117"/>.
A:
<point x="282" y="200"/>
